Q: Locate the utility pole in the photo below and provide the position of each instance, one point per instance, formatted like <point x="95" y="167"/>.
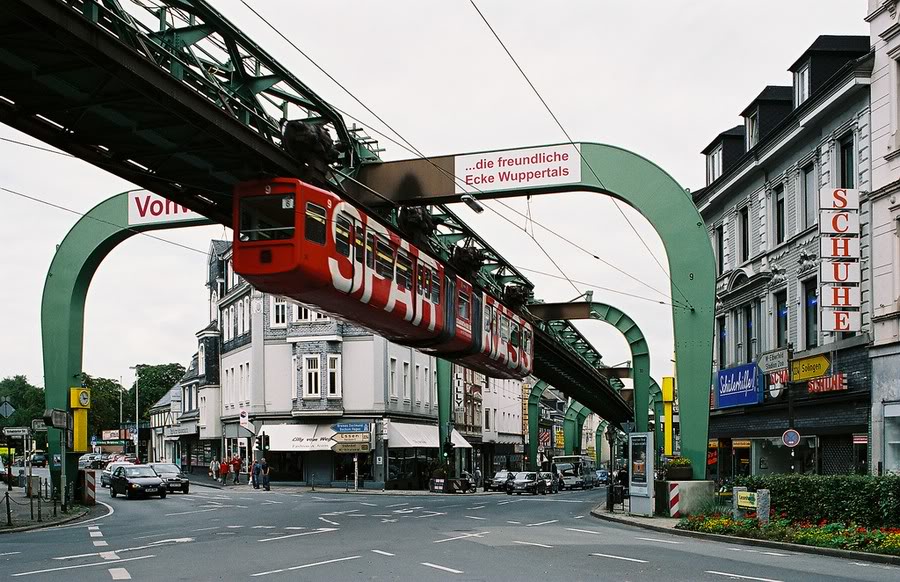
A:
<point x="137" y="429"/>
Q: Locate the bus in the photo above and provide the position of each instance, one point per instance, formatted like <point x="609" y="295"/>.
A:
<point x="577" y="471"/>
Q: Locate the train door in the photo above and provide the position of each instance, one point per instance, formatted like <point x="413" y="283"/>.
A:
<point x="344" y="244"/>
<point x="477" y="317"/>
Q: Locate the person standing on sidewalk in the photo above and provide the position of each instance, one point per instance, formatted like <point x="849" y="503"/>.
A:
<point x="214" y="469"/>
<point x="223" y="470"/>
<point x="236" y="465"/>
<point x="255" y="472"/>
<point x="264" y="469"/>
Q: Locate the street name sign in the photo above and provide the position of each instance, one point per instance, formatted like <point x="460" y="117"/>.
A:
<point x="809" y="368"/>
<point x="351" y="437"/>
<point x="38" y="425"/>
<point x="350" y="427"/>
<point x="773" y="361"/>
<point x="351" y="448"/>
<point x="16" y="431"/>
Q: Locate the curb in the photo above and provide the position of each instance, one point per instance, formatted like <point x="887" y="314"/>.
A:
<point x="799" y="548"/>
<point x="65" y="520"/>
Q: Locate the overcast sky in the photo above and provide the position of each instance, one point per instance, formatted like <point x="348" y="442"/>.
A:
<point x="661" y="78"/>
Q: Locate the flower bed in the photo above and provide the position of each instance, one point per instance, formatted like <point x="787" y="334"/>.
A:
<point x="822" y="534"/>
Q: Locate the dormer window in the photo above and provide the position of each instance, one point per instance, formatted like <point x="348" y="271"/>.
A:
<point x="714" y="165"/>
<point x="752" y="129"/>
<point x="801" y="85"/>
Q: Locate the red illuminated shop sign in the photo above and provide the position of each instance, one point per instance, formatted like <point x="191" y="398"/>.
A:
<point x="831" y="383"/>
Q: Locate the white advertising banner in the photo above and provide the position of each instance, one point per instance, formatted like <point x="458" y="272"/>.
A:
<point x="838" y="222"/>
<point x="838" y="272"/>
<point x="835" y="247"/>
<point x="145" y="207"/>
<point x="834" y="320"/>
<point x="523" y="168"/>
<point x="840" y="296"/>
<point x="838" y="199"/>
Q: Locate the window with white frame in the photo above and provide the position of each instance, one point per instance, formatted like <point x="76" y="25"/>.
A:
<point x="417" y="384"/>
<point x="241" y="382"/>
<point x="294" y="377"/>
<point x="334" y="376"/>
<point x="810" y="194"/>
<point x="240" y="318"/>
<point x="714" y="165"/>
<point x="311" y="376"/>
<point x="434" y="387"/>
<point x="247" y="367"/>
<point x="487" y="419"/>
<point x="201" y="359"/>
<point x="305" y="314"/>
<point x="224" y="324"/>
<point x="392" y="379"/>
<point x="406" y="380"/>
<point x="231" y="322"/>
<point x="279" y="312"/>
<point x="752" y="129"/>
<point x="246" y="315"/>
<point x="801" y="85"/>
<point x="213" y="306"/>
<point x="427" y="388"/>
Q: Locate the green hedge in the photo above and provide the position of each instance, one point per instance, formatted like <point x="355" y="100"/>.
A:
<point x="862" y="499"/>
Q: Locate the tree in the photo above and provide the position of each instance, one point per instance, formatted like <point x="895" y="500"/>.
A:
<point x="104" y="412"/>
<point x="27" y="399"/>
<point x="155" y="381"/>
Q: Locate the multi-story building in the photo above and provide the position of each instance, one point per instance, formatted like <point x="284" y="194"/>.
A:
<point x="773" y="321"/>
<point x="503" y="443"/>
<point x="468" y="393"/>
<point x="163" y="415"/>
<point x="885" y="235"/>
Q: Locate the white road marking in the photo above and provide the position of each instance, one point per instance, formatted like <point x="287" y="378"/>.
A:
<point x="398" y="504"/>
<point x="207" y="528"/>
<point x="431" y="514"/>
<point x="533" y="544"/>
<point x="473" y="517"/>
<point x="368" y="505"/>
<point x="297" y="535"/>
<point x="870" y="565"/>
<point x="329" y="521"/>
<point x="109" y="556"/>
<point x="82" y="566"/>
<point x="294" y="527"/>
<point x="195" y="511"/>
<point x="332" y="513"/>
<point x="225" y="533"/>
<point x="152" y="536"/>
<point x="740" y="577"/>
<point x="10" y="553"/>
<point x="119" y="574"/>
<point x="93" y="527"/>
<point x="444" y="568"/>
<point x="96" y="534"/>
<point x="596" y="533"/>
<point x="380" y="515"/>
<point x="234" y="526"/>
<point x="659" y="540"/>
<point x="306" y="566"/>
<point x="470" y="535"/>
<point x="388" y="521"/>
<point x="82" y="523"/>
<point x="620" y="558"/>
<point x="542" y="523"/>
<point x="319" y="498"/>
<point x="759" y="552"/>
<point x="515" y="522"/>
<point x="477" y="507"/>
<point x="579" y="517"/>
<point x="383" y="553"/>
<point x="270" y="502"/>
<point x="100" y="544"/>
<point x="263" y="527"/>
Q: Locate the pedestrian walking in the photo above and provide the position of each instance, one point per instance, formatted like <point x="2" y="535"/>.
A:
<point x="257" y="469"/>
<point x="214" y="469"/>
<point x="264" y="469"/>
<point x="236" y="465"/>
<point x="477" y="478"/>
<point x="223" y="470"/>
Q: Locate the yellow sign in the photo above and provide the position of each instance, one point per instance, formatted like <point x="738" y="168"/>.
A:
<point x="740" y="443"/>
<point x="746" y="500"/>
<point x="351" y="448"/>
<point x="79" y="398"/>
<point x="560" y="438"/>
<point x="809" y="368"/>
<point x="713" y="444"/>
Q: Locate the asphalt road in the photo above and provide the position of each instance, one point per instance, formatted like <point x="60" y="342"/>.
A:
<point x="245" y="534"/>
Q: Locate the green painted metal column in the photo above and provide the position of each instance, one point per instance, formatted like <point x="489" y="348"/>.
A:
<point x="62" y="307"/>
<point x="445" y="401"/>
<point x="534" y="410"/>
<point x="579" y="427"/>
<point x="598" y="441"/>
<point x="570" y="426"/>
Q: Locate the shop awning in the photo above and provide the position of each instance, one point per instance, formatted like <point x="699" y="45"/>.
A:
<point x="298" y="437"/>
<point x="405" y="435"/>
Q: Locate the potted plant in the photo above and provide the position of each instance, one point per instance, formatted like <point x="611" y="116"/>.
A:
<point x="679" y="469"/>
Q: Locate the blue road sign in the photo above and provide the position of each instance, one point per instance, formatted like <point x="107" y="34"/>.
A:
<point x="790" y="438"/>
<point x="350" y="427"/>
<point x="93" y="441"/>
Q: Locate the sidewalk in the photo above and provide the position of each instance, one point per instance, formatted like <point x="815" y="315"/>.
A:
<point x="667" y="525"/>
<point x="20" y="512"/>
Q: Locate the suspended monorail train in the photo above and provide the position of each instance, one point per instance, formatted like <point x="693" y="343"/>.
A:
<point x="310" y="245"/>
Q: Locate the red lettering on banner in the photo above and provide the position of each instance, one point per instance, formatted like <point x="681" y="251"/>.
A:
<point x="841" y="271"/>
<point x="827" y="384"/>
<point x="840" y="247"/>
<point x="841" y="321"/>
<point x="839" y="198"/>
<point x="840" y="296"/>
<point x="156" y="207"/>
<point x="142" y="210"/>
<point x="836" y="218"/>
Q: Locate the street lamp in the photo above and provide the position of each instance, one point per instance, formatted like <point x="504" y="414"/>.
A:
<point x="137" y="384"/>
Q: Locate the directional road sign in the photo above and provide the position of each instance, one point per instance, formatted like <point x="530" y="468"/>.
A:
<point x="351" y="437"/>
<point x="809" y="368"/>
<point x="350" y="427"/>
<point x="38" y="425"/>
<point x="6" y="409"/>
<point x="94" y="441"/>
<point x="351" y="448"/>
<point x="16" y="431"/>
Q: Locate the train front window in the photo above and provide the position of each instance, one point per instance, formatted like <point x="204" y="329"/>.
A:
<point x="315" y="223"/>
<point x="514" y="335"/>
<point x="342" y="236"/>
<point x="267" y="217"/>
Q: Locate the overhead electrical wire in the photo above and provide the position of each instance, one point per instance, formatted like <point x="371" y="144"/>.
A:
<point x="572" y="142"/>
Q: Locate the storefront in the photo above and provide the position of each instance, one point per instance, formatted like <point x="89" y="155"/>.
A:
<point x="414" y="453"/>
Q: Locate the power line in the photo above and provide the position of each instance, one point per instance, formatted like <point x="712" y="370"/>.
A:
<point x="601" y="288"/>
<point x="572" y="142"/>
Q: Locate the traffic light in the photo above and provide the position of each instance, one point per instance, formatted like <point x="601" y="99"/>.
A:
<point x="448" y="449"/>
<point x="259" y="442"/>
<point x="265" y="442"/>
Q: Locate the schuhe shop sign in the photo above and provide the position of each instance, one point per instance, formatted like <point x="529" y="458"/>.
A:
<point x="738" y="386"/>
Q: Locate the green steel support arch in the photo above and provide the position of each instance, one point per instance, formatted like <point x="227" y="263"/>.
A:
<point x="575" y="415"/>
<point x="625" y="175"/>
<point x="598" y="440"/>
<point x="76" y="260"/>
<point x="534" y="401"/>
<point x="444" y="384"/>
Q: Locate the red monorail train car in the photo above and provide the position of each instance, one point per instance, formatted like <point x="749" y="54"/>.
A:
<point x="308" y="244"/>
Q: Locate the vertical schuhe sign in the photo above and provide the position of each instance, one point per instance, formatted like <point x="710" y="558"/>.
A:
<point x="738" y="386"/>
<point x="840" y="293"/>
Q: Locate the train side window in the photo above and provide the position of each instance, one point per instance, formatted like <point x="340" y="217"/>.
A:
<point x="370" y="251"/>
<point x="404" y="270"/>
<point x="435" y="289"/>
<point x="315" y="223"/>
<point x="342" y="231"/>
<point x="464" y="304"/>
<point x="423" y="280"/>
<point x="384" y="259"/>
<point x="526" y="341"/>
<point x="504" y="328"/>
<point x="488" y="317"/>
<point x="514" y="335"/>
<point x="359" y="243"/>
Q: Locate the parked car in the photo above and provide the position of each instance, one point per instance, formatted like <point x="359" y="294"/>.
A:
<point x="602" y="476"/>
<point x="175" y="480"/>
<point x="38" y="460"/>
<point x="106" y="475"/>
<point x="551" y="481"/>
<point x="89" y="461"/>
<point x="134" y="480"/>
<point x="498" y="482"/>
<point x="526" y="482"/>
